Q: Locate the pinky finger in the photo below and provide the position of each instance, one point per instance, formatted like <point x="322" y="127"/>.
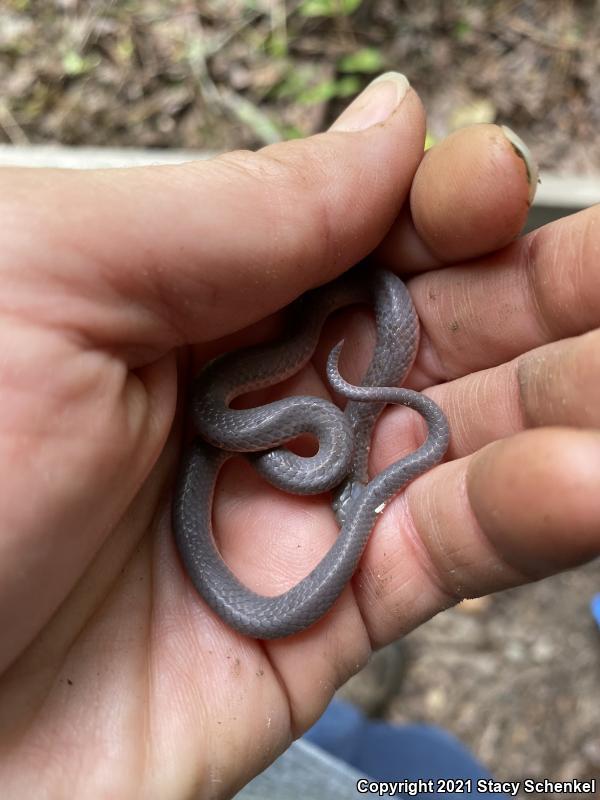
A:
<point x="518" y="510"/>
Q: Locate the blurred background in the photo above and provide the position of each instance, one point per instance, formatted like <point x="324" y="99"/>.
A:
<point x="515" y="676"/>
<point x="219" y="74"/>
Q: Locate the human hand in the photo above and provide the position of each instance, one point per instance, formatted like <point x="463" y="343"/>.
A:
<point x="117" y="680"/>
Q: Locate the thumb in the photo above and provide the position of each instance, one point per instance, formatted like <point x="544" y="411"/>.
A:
<point x="153" y="257"/>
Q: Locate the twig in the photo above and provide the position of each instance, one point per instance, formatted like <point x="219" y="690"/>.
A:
<point x="11" y="127"/>
<point x="523" y="28"/>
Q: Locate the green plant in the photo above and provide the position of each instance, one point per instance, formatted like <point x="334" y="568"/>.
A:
<point x="328" y="8"/>
<point x="365" y="60"/>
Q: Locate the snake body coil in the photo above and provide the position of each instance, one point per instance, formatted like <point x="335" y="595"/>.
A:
<point x="340" y="463"/>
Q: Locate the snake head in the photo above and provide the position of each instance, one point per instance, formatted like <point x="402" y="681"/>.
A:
<point x="345" y="497"/>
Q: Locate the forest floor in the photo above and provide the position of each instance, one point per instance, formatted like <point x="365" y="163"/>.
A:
<point x="220" y="74"/>
<point x="516" y="676"/>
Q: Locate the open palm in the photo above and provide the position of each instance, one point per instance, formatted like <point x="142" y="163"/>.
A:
<point x="115" y="679"/>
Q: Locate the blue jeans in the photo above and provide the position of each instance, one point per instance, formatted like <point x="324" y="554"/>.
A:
<point x="344" y="751"/>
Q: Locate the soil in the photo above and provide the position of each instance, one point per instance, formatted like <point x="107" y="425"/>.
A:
<point x="519" y="680"/>
<point x="516" y="676"/>
<point x="220" y="74"/>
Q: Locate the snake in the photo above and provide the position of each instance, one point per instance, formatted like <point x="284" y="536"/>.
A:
<point x="340" y="466"/>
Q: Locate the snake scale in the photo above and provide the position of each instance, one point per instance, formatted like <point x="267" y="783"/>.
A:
<point x="340" y="465"/>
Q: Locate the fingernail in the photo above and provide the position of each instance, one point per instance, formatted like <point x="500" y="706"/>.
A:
<point x="374" y="104"/>
<point x="524" y="152"/>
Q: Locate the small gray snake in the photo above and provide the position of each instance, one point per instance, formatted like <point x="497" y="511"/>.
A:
<point x="341" y="461"/>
